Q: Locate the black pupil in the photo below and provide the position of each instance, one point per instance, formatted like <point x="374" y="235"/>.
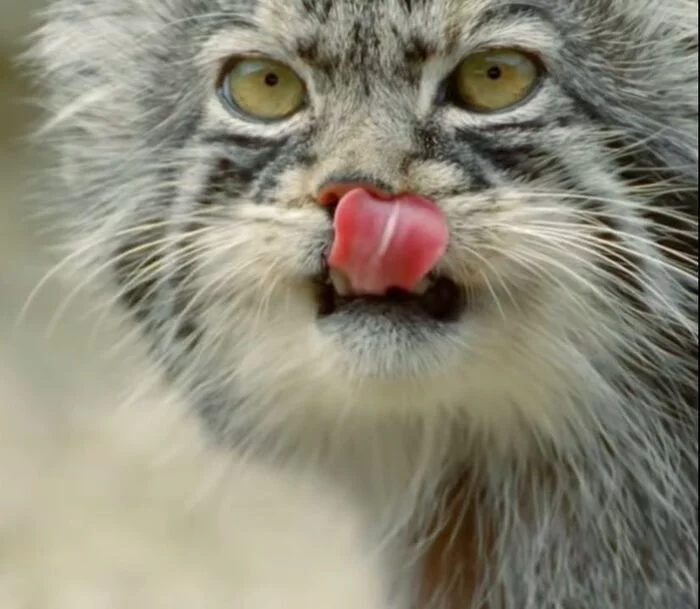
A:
<point x="494" y="72"/>
<point x="271" y="79"/>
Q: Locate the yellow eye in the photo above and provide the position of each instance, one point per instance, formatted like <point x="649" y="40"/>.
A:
<point x="495" y="80"/>
<point x="264" y="89"/>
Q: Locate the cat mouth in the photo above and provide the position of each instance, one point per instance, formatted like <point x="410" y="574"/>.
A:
<point x="436" y="298"/>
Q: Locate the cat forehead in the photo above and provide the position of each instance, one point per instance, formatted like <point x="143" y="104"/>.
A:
<point x="338" y="30"/>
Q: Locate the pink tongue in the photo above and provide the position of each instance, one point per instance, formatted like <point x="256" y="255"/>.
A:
<point x="381" y="244"/>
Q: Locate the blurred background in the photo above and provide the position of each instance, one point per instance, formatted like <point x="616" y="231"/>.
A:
<point x="63" y="361"/>
<point x="15" y="119"/>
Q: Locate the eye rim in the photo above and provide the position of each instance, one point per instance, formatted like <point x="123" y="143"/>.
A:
<point x="223" y="89"/>
<point x="451" y="92"/>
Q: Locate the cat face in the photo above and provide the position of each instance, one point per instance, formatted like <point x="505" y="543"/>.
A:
<point x="201" y="138"/>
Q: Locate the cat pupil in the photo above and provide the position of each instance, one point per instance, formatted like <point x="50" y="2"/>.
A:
<point x="271" y="79"/>
<point x="494" y="73"/>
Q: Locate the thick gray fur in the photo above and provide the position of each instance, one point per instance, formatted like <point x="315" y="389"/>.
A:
<point x="569" y="391"/>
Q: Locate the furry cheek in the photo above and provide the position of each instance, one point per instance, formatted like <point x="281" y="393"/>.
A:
<point x="260" y="330"/>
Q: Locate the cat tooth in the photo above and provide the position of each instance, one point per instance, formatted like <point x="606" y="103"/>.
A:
<point x="423" y="286"/>
<point x="341" y="284"/>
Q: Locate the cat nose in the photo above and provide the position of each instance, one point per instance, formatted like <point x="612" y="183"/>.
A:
<point x="381" y="240"/>
<point x="335" y="189"/>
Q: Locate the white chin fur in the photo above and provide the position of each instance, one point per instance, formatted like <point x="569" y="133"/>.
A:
<point x="492" y="373"/>
<point x="507" y="373"/>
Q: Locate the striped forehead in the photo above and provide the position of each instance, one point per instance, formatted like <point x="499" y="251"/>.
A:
<point x="351" y="33"/>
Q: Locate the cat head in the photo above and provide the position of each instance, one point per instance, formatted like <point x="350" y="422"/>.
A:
<point x="206" y="148"/>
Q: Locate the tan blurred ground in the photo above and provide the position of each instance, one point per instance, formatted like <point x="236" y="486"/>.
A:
<point x="63" y="365"/>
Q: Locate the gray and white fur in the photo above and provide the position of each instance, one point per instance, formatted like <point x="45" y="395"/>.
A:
<point x="566" y="394"/>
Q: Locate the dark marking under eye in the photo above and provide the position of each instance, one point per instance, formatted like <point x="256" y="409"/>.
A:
<point x="527" y="126"/>
<point x="431" y="145"/>
<point x="531" y="163"/>
<point x="521" y="158"/>
<point x="266" y="183"/>
<point x="242" y="141"/>
<point x="217" y="184"/>
<point x="242" y="160"/>
<point x="230" y="178"/>
<point x="517" y="157"/>
<point x="251" y="166"/>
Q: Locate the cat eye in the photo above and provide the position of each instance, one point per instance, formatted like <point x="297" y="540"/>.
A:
<point x="262" y="89"/>
<point x="495" y="80"/>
